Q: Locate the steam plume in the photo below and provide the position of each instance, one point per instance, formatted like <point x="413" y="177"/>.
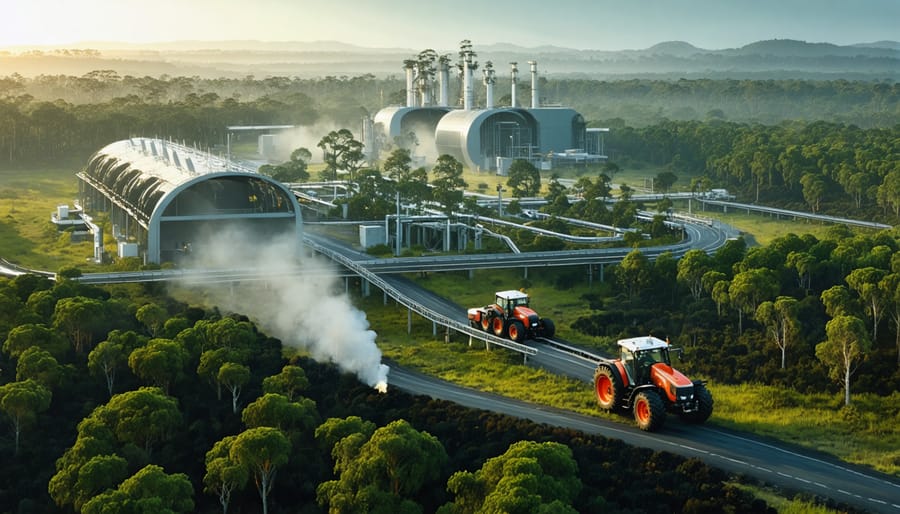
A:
<point x="308" y="311"/>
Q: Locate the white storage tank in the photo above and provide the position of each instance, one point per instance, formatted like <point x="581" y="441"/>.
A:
<point x="62" y="212"/>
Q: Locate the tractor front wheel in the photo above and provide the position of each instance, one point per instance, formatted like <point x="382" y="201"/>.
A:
<point x="549" y="328"/>
<point x="704" y="405"/>
<point x="608" y="386"/>
<point x="649" y="411"/>
<point x="516" y="331"/>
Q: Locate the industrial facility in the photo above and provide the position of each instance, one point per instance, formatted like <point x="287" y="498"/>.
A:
<point x="486" y="137"/>
<point x="166" y="201"/>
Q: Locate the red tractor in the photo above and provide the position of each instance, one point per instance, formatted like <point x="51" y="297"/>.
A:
<point x="511" y="317"/>
<point x="643" y="380"/>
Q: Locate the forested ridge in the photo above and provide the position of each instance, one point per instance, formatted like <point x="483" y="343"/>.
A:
<point x="132" y="401"/>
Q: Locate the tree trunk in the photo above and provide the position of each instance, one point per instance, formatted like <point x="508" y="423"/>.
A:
<point x="847" y="385"/>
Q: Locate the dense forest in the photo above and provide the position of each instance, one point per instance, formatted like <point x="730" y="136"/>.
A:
<point x="121" y="399"/>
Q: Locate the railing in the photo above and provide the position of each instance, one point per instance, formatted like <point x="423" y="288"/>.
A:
<point x="421" y="310"/>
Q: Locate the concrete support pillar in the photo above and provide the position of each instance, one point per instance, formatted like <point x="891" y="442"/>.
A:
<point x="590" y="275"/>
<point x="409" y="321"/>
<point x="601" y="272"/>
<point x="526" y="272"/>
<point x="364" y="287"/>
<point x="447" y="335"/>
<point x="384" y="297"/>
<point x="471" y="274"/>
<point x="434" y="328"/>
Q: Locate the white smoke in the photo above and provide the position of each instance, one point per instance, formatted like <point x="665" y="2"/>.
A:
<point x="302" y="137"/>
<point x="307" y="311"/>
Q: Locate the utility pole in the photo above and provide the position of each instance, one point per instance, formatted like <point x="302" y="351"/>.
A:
<point x="397" y="253"/>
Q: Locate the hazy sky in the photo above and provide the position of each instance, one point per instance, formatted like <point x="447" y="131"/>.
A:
<point x="416" y="24"/>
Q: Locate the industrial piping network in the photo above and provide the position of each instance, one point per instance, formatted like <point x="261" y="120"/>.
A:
<point x="434" y="316"/>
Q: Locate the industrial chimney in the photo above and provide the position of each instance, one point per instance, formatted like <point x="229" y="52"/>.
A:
<point x="444" y="79"/>
<point x="535" y="97"/>
<point x="514" y="72"/>
<point x="469" y="90"/>
<point x="410" y="67"/>
<point x="489" y="81"/>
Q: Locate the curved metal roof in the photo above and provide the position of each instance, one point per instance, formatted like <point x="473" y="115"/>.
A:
<point x="459" y="133"/>
<point x="155" y="180"/>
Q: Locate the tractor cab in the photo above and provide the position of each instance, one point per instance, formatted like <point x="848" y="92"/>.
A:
<point x="639" y="354"/>
<point x="509" y="300"/>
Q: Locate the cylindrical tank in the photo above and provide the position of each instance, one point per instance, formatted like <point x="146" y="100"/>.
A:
<point x="535" y="97"/>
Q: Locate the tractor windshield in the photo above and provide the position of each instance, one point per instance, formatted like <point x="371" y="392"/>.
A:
<point x="653" y="356"/>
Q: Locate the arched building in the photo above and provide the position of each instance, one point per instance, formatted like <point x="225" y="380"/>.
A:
<point x="170" y="199"/>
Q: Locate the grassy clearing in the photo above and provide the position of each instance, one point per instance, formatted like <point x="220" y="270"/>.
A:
<point x="763" y="229"/>
<point x="27" y="198"/>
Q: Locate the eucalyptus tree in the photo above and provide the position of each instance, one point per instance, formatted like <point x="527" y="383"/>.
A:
<point x="223" y="474"/>
<point x="781" y="322"/>
<point x="161" y="362"/>
<point x="448" y="183"/>
<point x="290" y="381"/>
<point x="866" y="281"/>
<point x="528" y="477"/>
<point x="846" y="344"/>
<point x="383" y="472"/>
<point x="341" y="152"/>
<point x="151" y="489"/>
<point x="261" y="451"/>
<point x="524" y="179"/>
<point x="22" y="402"/>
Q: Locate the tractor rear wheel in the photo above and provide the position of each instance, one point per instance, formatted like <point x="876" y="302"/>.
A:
<point x="498" y="326"/>
<point x="649" y="410"/>
<point x="608" y="386"/>
<point x="485" y="322"/>
<point x="704" y="405"/>
<point x="516" y="331"/>
<point x="549" y="328"/>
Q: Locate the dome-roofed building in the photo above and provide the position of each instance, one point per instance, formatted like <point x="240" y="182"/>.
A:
<point x="489" y="138"/>
<point x="170" y="198"/>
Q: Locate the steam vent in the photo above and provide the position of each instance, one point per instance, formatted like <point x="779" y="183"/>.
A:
<point x="473" y="129"/>
<point x="169" y="198"/>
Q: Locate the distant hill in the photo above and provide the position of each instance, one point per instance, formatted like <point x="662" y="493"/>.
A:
<point x="777" y="58"/>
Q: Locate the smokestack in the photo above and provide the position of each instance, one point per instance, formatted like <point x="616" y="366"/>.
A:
<point x="514" y="72"/>
<point x="410" y="66"/>
<point x="468" y="91"/>
<point x="535" y="97"/>
<point x="426" y="90"/>
<point x="444" y="79"/>
<point x="489" y="85"/>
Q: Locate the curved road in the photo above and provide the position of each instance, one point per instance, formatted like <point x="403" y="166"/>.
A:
<point x="774" y="462"/>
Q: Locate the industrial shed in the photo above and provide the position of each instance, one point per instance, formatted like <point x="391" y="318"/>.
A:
<point x="170" y="199"/>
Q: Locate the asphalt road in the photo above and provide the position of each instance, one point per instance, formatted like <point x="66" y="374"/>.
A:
<point x="773" y="462"/>
<point x="789" y="467"/>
